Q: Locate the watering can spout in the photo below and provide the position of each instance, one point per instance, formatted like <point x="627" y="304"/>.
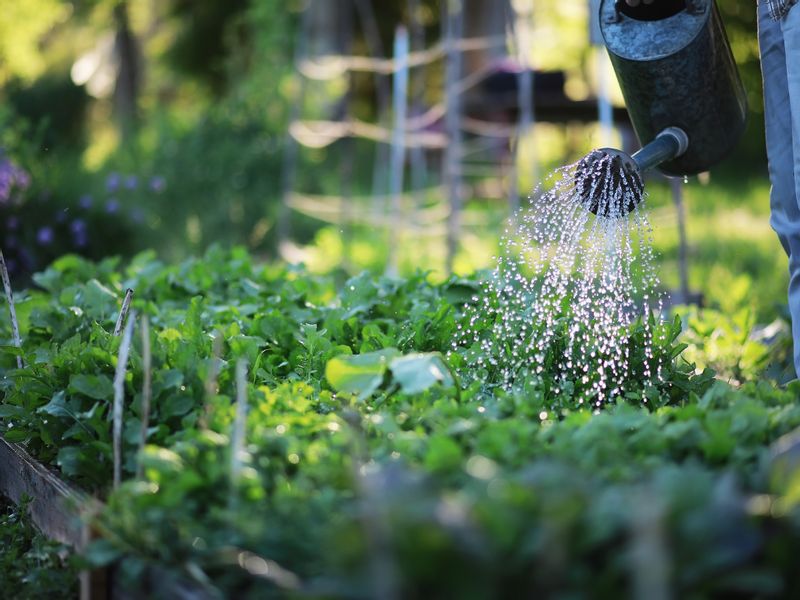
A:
<point x="669" y="144"/>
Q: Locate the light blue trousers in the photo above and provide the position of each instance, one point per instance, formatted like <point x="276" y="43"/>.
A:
<point x="779" y="42"/>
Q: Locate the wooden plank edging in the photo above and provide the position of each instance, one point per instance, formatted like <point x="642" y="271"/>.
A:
<point x="57" y="509"/>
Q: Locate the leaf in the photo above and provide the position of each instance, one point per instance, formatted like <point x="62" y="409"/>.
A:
<point x="794" y="387"/>
<point x="461" y="291"/>
<point x="57" y="406"/>
<point x="9" y="410"/>
<point x="98" y="387"/>
<point x="443" y="454"/>
<point x="677" y="350"/>
<point x="177" y="406"/>
<point x="360" y="374"/>
<point x="170" y="334"/>
<point x="167" y="380"/>
<point x="16" y="435"/>
<point x="417" y="372"/>
<point x="11" y="350"/>
<point x="101" y="553"/>
<point x="98" y="299"/>
<point x="69" y="460"/>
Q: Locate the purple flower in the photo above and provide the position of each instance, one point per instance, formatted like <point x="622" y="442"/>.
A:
<point x="79" y="231"/>
<point x="45" y="236"/>
<point x="85" y="202"/>
<point x="158" y="184"/>
<point x="23" y="179"/>
<point x="11" y="176"/>
<point x="12" y="223"/>
<point x="26" y="259"/>
<point x="137" y="215"/>
<point x="77" y="226"/>
<point x="80" y="239"/>
<point x="61" y="215"/>
<point x="112" y="206"/>
<point x="131" y="182"/>
<point x="112" y="182"/>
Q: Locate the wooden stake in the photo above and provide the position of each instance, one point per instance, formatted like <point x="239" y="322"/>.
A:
<point x="240" y="423"/>
<point x="397" y="165"/>
<point x="212" y="376"/>
<point x="119" y="397"/>
<point x="348" y="144"/>
<point x="147" y="390"/>
<point x="126" y="304"/>
<point x="11" y="309"/>
<point x="683" y="263"/>
<point x="452" y="16"/>
<point x="291" y="146"/>
<point x="417" y="84"/>
<point x="372" y="37"/>
<point x="524" y="38"/>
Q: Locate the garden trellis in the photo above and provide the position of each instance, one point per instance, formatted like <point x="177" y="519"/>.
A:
<point x="412" y="134"/>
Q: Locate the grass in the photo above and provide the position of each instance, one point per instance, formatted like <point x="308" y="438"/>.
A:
<point x="735" y="259"/>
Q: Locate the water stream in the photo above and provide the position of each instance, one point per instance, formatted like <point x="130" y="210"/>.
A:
<point x="557" y="309"/>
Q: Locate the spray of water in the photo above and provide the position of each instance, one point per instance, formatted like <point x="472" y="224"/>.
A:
<point x="575" y="271"/>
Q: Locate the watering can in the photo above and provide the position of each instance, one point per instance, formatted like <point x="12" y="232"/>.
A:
<point x="680" y="83"/>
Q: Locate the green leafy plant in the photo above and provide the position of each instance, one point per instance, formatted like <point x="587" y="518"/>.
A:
<point x="370" y="437"/>
<point x="32" y="566"/>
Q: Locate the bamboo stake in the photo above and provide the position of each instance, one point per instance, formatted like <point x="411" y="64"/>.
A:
<point x="453" y="19"/>
<point x="147" y="390"/>
<point x="212" y="377"/>
<point x="119" y="397"/>
<point x="372" y="36"/>
<point x="683" y="263"/>
<point x="400" y="91"/>
<point x="239" y="424"/>
<point x="348" y="144"/>
<point x="418" y="162"/>
<point x="524" y="38"/>
<point x="290" y="153"/>
<point x="10" y="297"/>
<point x="126" y="304"/>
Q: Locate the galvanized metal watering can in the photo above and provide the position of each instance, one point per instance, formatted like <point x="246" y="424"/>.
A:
<point x="680" y="83"/>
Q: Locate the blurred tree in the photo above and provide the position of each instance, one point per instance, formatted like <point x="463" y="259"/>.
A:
<point x="54" y="106"/>
<point x="126" y="87"/>
<point x="203" y="43"/>
<point x="23" y="24"/>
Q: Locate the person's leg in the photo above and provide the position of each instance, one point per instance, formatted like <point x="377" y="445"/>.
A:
<point x="783" y="153"/>
<point x="790" y="25"/>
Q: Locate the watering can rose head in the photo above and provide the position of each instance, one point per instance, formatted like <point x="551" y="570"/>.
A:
<point x="608" y="183"/>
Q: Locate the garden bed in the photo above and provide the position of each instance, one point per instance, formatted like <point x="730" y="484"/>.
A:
<point x="373" y="459"/>
<point x="62" y="514"/>
<point x="59" y="513"/>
